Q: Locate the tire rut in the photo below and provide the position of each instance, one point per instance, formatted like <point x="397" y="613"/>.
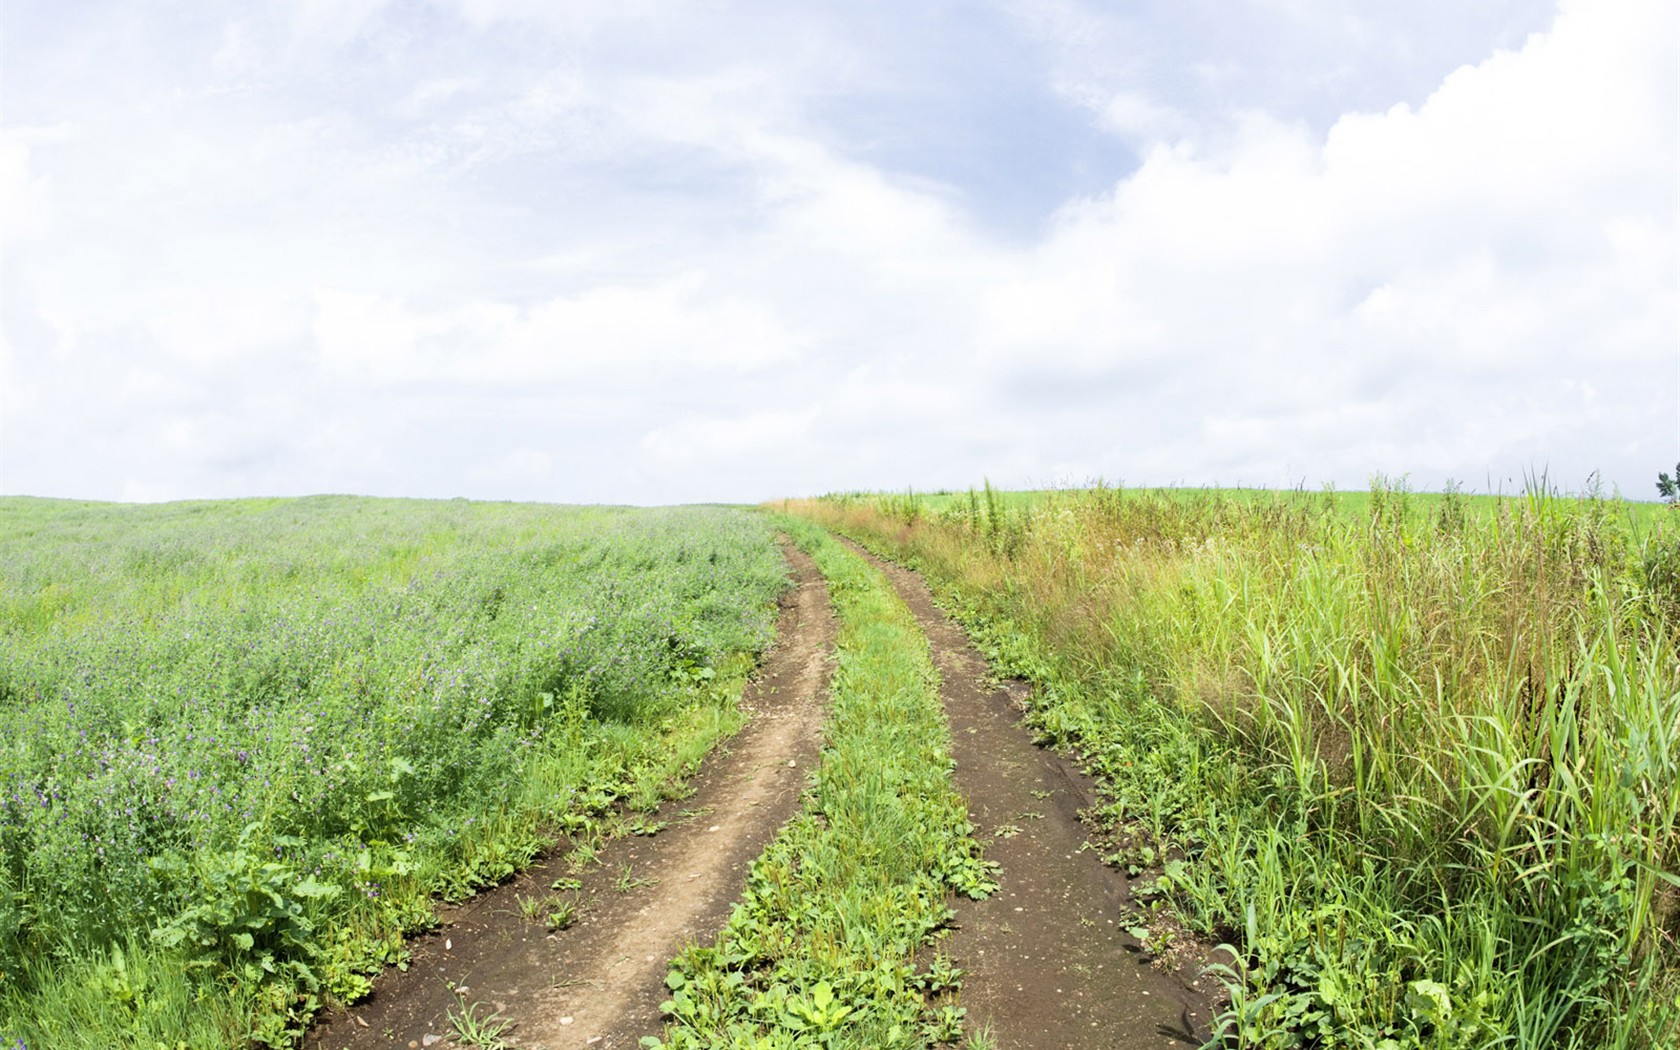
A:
<point x="1048" y="963"/>
<point x="599" y="983"/>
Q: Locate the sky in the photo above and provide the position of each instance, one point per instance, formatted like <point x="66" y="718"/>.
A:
<point x="736" y="250"/>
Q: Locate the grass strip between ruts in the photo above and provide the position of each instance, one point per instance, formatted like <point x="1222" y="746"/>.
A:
<point x="820" y="951"/>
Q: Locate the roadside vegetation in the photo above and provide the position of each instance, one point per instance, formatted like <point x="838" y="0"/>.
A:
<point x="244" y="745"/>
<point x="1416" y="760"/>
<point x="823" y="948"/>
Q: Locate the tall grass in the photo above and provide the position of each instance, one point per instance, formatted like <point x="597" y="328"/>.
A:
<point x="1418" y="765"/>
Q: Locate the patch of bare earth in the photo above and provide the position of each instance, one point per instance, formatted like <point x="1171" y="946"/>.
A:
<point x="1049" y="964"/>
<point x="599" y="982"/>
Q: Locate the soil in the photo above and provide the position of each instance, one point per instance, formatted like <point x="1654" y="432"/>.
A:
<point x="1049" y="964"/>
<point x="599" y="982"/>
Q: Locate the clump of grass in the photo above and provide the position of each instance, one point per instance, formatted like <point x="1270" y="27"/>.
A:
<point x="1421" y="755"/>
<point x="819" y="950"/>
<point x="554" y="910"/>
<point x="486" y="1031"/>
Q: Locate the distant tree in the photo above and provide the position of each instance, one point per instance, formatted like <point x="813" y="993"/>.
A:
<point x="1669" y="487"/>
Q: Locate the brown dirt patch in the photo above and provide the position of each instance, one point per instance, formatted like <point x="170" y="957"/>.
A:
<point x="1049" y="964"/>
<point x="599" y="983"/>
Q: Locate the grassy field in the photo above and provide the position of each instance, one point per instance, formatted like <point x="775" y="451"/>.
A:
<point x="244" y="744"/>
<point x="1416" y="759"/>
<point x="1640" y="516"/>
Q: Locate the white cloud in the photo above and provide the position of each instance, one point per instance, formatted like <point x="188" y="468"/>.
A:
<point x="334" y="22"/>
<point x="26" y="204"/>
<point x="207" y="326"/>
<point x="522" y="466"/>
<point x="702" y="439"/>
<point x="633" y="333"/>
<point x="1458" y="273"/>
<point x="1136" y="116"/>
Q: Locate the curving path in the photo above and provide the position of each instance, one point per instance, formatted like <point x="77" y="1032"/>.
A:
<point x="1048" y="964"/>
<point x="599" y="983"/>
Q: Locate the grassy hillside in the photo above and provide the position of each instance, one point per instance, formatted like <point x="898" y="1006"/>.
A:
<point x="1416" y="759"/>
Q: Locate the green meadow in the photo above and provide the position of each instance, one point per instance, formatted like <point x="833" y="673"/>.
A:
<point x="244" y="745"/>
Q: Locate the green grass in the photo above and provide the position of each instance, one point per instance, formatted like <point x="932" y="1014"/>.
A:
<point x="243" y="745"/>
<point x="1640" y="515"/>
<point x="1416" y="760"/>
<point x="819" y="952"/>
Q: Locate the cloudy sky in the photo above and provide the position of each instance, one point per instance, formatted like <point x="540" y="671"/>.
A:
<point x="668" y="252"/>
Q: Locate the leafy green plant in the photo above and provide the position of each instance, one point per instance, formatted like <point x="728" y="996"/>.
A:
<point x="941" y="976"/>
<point x="945" y="1025"/>
<point x="560" y="912"/>
<point x="246" y="914"/>
<point x="817" y="1013"/>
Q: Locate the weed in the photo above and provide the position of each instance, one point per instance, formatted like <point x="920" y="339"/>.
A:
<point x="560" y="912"/>
<point x="486" y="1032"/>
<point x="940" y="976"/>
<point x="628" y="880"/>
<point x="554" y="910"/>
<point x="582" y="855"/>
<point x="945" y="1025"/>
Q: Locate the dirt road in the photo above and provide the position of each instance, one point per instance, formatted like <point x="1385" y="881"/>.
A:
<point x="599" y="983"/>
<point x="1048" y="966"/>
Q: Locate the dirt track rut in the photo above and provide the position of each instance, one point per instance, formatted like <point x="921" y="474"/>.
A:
<point x="599" y="983"/>
<point x="1048" y="966"/>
